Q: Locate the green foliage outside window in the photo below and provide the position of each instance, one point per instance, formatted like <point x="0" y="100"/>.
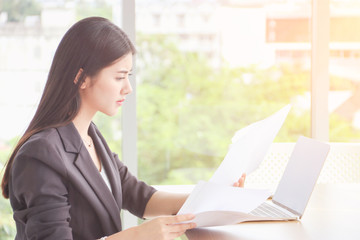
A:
<point x="18" y="10"/>
<point x="188" y="111"/>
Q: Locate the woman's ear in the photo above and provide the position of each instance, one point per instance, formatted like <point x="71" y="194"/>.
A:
<point x="77" y="77"/>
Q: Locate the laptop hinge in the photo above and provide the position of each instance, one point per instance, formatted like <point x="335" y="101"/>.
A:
<point x="288" y="209"/>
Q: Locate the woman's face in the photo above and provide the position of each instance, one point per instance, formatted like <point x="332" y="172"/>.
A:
<point x="107" y="90"/>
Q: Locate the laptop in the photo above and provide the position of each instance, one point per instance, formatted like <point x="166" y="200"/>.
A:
<point x="297" y="183"/>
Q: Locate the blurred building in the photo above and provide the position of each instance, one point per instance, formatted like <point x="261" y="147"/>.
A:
<point x="26" y="52"/>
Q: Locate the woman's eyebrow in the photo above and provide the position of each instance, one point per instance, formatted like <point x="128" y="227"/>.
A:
<point x="124" y="71"/>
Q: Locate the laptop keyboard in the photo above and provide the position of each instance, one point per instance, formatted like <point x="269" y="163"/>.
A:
<point x="266" y="210"/>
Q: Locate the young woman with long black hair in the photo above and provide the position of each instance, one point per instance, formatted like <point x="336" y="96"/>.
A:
<point x="62" y="179"/>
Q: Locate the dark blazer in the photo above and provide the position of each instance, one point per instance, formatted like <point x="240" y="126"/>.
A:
<point x="56" y="191"/>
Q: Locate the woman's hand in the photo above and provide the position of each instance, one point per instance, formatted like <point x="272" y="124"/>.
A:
<point x="241" y="181"/>
<point x="165" y="228"/>
<point x="160" y="228"/>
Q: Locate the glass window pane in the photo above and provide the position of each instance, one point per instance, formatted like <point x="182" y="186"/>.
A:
<point x="28" y="41"/>
<point x="209" y="68"/>
<point x="344" y="95"/>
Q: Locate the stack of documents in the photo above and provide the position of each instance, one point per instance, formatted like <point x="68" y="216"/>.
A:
<point x="216" y="202"/>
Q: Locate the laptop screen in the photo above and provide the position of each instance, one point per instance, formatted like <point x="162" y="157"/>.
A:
<point x="301" y="174"/>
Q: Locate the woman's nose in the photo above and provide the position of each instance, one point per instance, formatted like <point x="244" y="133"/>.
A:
<point x="127" y="88"/>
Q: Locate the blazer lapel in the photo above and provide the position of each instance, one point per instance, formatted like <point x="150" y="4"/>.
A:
<point x="73" y="143"/>
<point x="108" y="163"/>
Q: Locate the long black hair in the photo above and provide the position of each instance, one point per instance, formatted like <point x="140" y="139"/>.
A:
<point x="90" y="44"/>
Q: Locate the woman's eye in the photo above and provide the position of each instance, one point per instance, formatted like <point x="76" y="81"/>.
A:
<point x="123" y="77"/>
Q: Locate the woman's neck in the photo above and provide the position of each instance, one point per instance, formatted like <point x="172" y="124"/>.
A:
<point x="82" y="122"/>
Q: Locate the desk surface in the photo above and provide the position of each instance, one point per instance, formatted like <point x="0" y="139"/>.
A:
<point x="332" y="213"/>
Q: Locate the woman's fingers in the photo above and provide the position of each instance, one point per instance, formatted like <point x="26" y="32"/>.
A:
<point x="165" y="227"/>
<point x="241" y="181"/>
<point x="180" y="218"/>
<point x="179" y="224"/>
<point x="182" y="227"/>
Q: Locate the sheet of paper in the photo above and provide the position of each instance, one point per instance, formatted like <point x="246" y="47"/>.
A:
<point x="221" y="218"/>
<point x="249" y="147"/>
<point x="208" y="196"/>
<point x="215" y="204"/>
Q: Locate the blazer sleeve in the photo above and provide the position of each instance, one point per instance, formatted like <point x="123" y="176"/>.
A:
<point x="39" y="194"/>
<point x="136" y="194"/>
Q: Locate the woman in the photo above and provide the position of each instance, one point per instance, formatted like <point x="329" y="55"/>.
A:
<point x="62" y="179"/>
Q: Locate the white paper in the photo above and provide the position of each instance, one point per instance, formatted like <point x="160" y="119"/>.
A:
<point x="249" y="147"/>
<point x="208" y="196"/>
<point x="215" y="204"/>
<point x="221" y="218"/>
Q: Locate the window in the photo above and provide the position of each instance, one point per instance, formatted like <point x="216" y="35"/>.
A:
<point x="344" y="94"/>
<point x="193" y="93"/>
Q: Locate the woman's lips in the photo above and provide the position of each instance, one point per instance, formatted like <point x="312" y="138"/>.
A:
<point x="120" y="102"/>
